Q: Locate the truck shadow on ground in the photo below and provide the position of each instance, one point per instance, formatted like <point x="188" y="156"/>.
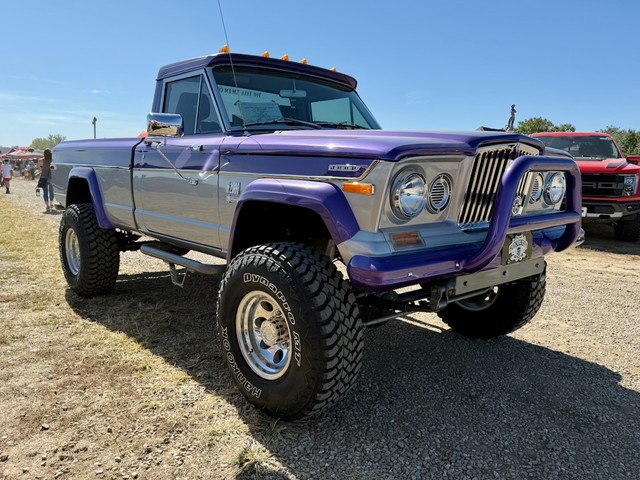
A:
<point x="429" y="403"/>
<point x="600" y="237"/>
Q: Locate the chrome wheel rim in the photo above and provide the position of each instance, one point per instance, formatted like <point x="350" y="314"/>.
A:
<point x="263" y="335"/>
<point x="72" y="251"/>
<point x="480" y="302"/>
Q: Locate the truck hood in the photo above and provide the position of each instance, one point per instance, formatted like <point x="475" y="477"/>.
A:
<point x="608" y="165"/>
<point x="376" y="144"/>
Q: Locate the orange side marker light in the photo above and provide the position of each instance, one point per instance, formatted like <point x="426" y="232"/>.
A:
<point x="359" y="188"/>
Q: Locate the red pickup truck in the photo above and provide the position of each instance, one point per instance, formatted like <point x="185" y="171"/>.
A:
<point x="610" y="182"/>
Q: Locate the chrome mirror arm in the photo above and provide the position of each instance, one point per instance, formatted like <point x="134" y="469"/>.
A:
<point x="165" y="125"/>
<point x="151" y="141"/>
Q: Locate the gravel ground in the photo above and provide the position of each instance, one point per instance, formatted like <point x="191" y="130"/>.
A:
<point x="560" y="398"/>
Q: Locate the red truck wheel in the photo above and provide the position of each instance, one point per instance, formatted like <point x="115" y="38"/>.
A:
<point x="290" y="329"/>
<point x="89" y="255"/>
<point x="628" y="230"/>
<point x="500" y="311"/>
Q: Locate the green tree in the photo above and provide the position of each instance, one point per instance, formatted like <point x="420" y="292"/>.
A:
<point x="629" y="140"/>
<point x="564" y="127"/>
<point x="49" y="142"/>
<point x="539" y="124"/>
<point x="534" y="125"/>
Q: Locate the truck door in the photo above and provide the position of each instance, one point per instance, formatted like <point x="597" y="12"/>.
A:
<point x="166" y="203"/>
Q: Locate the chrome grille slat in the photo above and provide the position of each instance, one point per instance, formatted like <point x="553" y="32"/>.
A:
<point x="521" y="185"/>
<point x="470" y="199"/>
<point x="489" y="165"/>
<point x="437" y="194"/>
<point x="474" y="201"/>
<point x="480" y="198"/>
<point x="496" y="175"/>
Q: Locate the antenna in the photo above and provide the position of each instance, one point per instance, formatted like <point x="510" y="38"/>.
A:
<point x="233" y="71"/>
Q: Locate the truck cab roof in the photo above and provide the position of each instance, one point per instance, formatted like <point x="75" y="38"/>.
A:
<point x="240" y="59"/>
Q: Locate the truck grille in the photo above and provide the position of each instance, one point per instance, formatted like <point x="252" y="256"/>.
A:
<point x="602" y="185"/>
<point x="489" y="164"/>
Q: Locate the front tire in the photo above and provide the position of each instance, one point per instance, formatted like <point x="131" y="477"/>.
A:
<point x="499" y="311"/>
<point x="290" y="329"/>
<point x="628" y="230"/>
<point x="89" y="255"/>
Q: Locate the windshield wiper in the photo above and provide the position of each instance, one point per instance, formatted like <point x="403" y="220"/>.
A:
<point x="344" y="125"/>
<point x="285" y="121"/>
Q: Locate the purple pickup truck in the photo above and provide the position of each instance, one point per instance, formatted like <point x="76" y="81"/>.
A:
<point x="328" y="224"/>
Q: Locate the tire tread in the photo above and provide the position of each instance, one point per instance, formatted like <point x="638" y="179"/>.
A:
<point x="341" y="328"/>
<point x="101" y="261"/>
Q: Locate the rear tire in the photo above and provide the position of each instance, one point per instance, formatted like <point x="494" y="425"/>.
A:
<point x="290" y="329"/>
<point x="628" y="230"/>
<point x="502" y="310"/>
<point x="89" y="255"/>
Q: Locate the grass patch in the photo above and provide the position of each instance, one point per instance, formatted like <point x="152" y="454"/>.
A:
<point x="134" y="375"/>
<point x="254" y="459"/>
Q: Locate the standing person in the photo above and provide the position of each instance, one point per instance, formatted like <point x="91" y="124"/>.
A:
<point x="45" y="176"/>
<point x="7" y="174"/>
<point x="31" y="168"/>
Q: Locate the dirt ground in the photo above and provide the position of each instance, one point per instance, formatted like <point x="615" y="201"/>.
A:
<point x="132" y="385"/>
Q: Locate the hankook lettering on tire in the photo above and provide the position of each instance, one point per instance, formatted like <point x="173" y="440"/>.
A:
<point x="253" y="390"/>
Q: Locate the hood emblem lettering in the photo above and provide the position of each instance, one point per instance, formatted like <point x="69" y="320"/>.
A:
<point x="344" y="168"/>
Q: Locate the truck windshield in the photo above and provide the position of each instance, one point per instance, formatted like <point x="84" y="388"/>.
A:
<point x="265" y="99"/>
<point x="591" y="147"/>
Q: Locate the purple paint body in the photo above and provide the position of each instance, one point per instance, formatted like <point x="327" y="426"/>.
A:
<point x="89" y="175"/>
<point x="323" y="198"/>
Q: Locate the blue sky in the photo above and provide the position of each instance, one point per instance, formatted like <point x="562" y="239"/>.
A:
<point x="421" y="65"/>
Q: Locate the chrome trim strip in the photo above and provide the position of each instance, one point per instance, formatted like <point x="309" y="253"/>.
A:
<point x="603" y="215"/>
<point x="235" y="174"/>
<point x="271" y="175"/>
<point x="90" y="165"/>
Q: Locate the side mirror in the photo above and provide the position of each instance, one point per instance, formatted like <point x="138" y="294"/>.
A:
<point x="164" y="124"/>
<point x="635" y="159"/>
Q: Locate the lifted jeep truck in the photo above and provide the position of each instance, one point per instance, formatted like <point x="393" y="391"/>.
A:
<point x="610" y="192"/>
<point x="280" y="168"/>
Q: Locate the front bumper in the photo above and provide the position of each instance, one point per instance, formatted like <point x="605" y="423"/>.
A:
<point x="551" y="232"/>
<point x="606" y="211"/>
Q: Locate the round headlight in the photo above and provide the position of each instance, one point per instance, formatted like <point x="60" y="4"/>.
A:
<point x="537" y="188"/>
<point x="439" y="193"/>
<point x="409" y="195"/>
<point x="554" y="188"/>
